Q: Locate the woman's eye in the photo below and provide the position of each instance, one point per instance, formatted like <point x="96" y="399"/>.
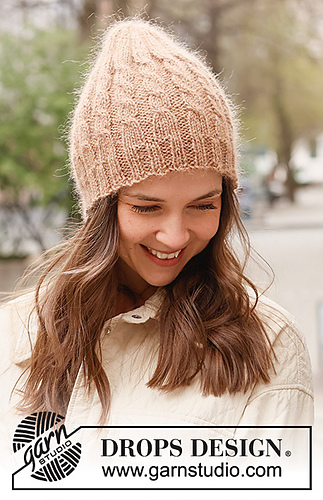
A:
<point x="154" y="208"/>
<point x="144" y="209"/>
<point x="208" y="206"/>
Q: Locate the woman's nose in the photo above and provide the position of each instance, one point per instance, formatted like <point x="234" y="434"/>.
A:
<point x="173" y="233"/>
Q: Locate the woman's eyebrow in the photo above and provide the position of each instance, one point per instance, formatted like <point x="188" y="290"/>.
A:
<point x="209" y="195"/>
<point x="144" y="197"/>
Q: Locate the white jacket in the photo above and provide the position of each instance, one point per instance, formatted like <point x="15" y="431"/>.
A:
<point x="129" y="347"/>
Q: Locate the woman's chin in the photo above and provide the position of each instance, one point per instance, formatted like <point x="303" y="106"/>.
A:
<point x="160" y="282"/>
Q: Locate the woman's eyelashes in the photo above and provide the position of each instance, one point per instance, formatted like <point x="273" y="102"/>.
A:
<point x="208" y="206"/>
<point x="144" y="209"/>
<point x="154" y="208"/>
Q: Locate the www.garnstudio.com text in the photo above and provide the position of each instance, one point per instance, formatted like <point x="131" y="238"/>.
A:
<point x="154" y="472"/>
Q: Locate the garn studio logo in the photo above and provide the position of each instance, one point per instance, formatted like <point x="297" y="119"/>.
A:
<point x="46" y="446"/>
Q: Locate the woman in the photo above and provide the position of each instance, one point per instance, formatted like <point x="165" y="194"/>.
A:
<point x="145" y="316"/>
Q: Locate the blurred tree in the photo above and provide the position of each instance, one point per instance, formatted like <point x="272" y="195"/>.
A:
<point x="96" y="14"/>
<point x="15" y="14"/>
<point x="205" y="24"/>
<point x="278" y="73"/>
<point x="37" y="78"/>
<point x="86" y="17"/>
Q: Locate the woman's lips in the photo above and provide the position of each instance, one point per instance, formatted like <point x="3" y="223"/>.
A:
<point x="161" y="258"/>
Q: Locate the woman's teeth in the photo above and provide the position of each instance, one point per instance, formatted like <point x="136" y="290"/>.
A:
<point x="164" y="256"/>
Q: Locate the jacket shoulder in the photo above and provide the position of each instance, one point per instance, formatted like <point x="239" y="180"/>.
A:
<point x="18" y="327"/>
<point x="292" y="365"/>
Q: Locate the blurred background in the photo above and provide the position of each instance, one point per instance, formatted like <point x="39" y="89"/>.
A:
<point x="269" y="55"/>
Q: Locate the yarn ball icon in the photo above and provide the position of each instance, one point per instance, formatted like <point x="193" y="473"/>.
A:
<point x="49" y="449"/>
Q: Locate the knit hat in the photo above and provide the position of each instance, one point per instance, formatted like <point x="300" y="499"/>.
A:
<point x="148" y="107"/>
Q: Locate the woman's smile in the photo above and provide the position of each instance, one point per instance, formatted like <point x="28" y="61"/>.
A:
<point x="163" y="259"/>
<point x="161" y="255"/>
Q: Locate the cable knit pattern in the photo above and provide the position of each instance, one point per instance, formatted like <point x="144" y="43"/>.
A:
<point x="148" y="107"/>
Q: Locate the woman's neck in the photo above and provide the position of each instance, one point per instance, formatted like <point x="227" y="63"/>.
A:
<point x="133" y="291"/>
<point x="129" y="300"/>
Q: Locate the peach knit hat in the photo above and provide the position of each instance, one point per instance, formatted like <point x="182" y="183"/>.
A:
<point x="148" y="107"/>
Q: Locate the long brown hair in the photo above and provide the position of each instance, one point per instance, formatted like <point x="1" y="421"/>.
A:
<point x="208" y="323"/>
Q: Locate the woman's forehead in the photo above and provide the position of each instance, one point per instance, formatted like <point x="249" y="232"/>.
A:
<point x="195" y="183"/>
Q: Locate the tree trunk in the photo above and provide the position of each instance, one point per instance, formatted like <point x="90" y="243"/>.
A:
<point x="284" y="132"/>
<point x="86" y="18"/>
<point x="213" y="38"/>
<point x="121" y="7"/>
<point x="150" y="8"/>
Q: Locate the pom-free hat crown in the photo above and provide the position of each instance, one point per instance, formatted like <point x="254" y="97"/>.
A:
<point x="148" y="107"/>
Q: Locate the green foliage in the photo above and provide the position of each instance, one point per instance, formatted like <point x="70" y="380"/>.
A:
<point x="38" y="71"/>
